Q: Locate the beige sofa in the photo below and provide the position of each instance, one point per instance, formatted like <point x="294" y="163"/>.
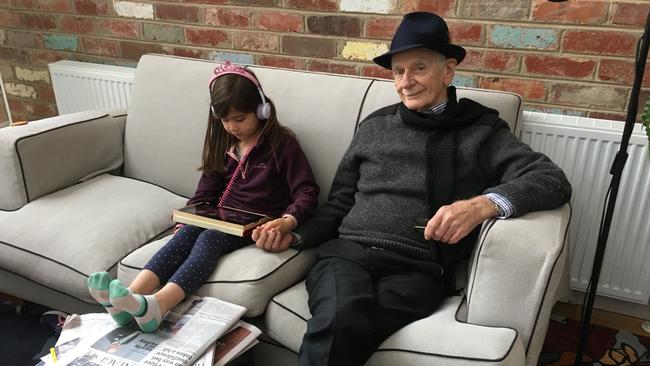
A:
<point x="93" y="191"/>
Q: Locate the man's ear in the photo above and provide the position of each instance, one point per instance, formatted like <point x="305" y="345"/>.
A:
<point x="450" y="70"/>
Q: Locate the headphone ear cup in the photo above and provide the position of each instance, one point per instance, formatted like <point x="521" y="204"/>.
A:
<point x="263" y="111"/>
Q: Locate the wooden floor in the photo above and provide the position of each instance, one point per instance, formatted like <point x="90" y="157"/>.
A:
<point x="602" y="317"/>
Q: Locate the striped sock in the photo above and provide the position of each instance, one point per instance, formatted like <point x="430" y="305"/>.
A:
<point x="145" y="309"/>
<point x="98" y="284"/>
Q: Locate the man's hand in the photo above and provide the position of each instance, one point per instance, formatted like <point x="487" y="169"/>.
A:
<point x="274" y="236"/>
<point x="453" y="222"/>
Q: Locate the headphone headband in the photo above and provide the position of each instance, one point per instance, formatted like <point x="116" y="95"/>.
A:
<point x="264" y="109"/>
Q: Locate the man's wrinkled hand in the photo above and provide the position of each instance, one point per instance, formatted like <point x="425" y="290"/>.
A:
<point x="273" y="236"/>
<point x="453" y="222"/>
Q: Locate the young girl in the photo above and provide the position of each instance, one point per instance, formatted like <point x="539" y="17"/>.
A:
<point x="249" y="162"/>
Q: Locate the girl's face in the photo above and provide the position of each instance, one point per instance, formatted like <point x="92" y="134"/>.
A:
<point x="243" y="125"/>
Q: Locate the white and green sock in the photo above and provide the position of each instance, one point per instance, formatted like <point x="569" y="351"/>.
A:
<point x="145" y="309"/>
<point x="98" y="286"/>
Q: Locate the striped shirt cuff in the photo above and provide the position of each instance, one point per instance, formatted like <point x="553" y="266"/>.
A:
<point x="502" y="204"/>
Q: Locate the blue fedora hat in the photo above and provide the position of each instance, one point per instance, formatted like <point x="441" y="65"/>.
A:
<point x="421" y="30"/>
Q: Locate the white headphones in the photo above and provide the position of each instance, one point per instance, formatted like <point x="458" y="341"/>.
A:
<point x="263" y="109"/>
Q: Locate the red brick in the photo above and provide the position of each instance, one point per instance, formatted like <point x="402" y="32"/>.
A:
<point x="608" y="115"/>
<point x="62" y="6"/>
<point x="630" y="14"/>
<point x="92" y="7"/>
<point x="568" y="67"/>
<point x="284" y="62"/>
<point x="133" y="50"/>
<point x="621" y="71"/>
<point x="325" y="5"/>
<point x="120" y="28"/>
<point x="206" y="1"/>
<point x="466" y="33"/>
<point x="208" y="37"/>
<point x="529" y="89"/>
<point x="45" y="93"/>
<point x="17" y="107"/>
<point x="309" y="47"/>
<point x="267" y="3"/>
<point x="184" y="52"/>
<point x="12" y="54"/>
<point x="101" y="47"/>
<point x="22" y="4"/>
<point x="490" y="61"/>
<point x="545" y="108"/>
<point x="230" y="18"/>
<point x="441" y="7"/>
<point x="334" y="25"/>
<point x="43" y="58"/>
<point x="177" y="12"/>
<point x="331" y="67"/>
<point x="260" y="42"/>
<point x="377" y="72"/>
<point x="38" y="22"/>
<point x="9" y="19"/>
<point x="600" y="42"/>
<point x="39" y="110"/>
<point x="72" y="24"/>
<point x="589" y="96"/>
<point x="279" y="22"/>
<point x="382" y="28"/>
<point x="24" y="39"/>
<point x="578" y="12"/>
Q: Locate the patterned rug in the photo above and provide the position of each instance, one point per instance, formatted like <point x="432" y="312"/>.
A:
<point x="606" y="346"/>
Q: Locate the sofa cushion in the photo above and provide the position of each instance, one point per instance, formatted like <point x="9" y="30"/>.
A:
<point x="438" y="339"/>
<point x="248" y="276"/>
<point x="59" y="239"/>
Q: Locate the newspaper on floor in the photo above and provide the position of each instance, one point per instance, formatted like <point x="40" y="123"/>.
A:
<point x="184" y="335"/>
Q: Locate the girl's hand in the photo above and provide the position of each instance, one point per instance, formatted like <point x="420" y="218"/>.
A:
<point x="274" y="236"/>
<point x="178" y="227"/>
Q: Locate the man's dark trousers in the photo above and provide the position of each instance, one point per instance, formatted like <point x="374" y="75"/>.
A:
<point x="360" y="295"/>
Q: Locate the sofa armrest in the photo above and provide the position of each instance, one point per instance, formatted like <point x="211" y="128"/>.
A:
<point x="44" y="156"/>
<point x="516" y="270"/>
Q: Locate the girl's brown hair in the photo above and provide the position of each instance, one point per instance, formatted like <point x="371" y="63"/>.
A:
<point x="237" y="92"/>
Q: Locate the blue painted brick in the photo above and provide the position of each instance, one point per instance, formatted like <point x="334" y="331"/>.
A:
<point x="60" y="42"/>
<point x="517" y="37"/>
<point x="464" y="81"/>
<point x="238" y="58"/>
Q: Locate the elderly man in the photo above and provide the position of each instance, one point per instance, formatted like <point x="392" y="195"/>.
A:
<point x="431" y="163"/>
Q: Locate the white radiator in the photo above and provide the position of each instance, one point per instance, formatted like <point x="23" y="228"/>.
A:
<point x="583" y="147"/>
<point x="81" y="86"/>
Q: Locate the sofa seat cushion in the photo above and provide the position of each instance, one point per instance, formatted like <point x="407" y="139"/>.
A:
<point x="248" y="276"/>
<point x="61" y="238"/>
<point x="436" y="340"/>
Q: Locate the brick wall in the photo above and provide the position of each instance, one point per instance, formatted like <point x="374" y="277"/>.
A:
<point x="573" y="58"/>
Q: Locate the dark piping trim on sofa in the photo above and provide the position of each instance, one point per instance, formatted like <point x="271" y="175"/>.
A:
<point x="363" y="102"/>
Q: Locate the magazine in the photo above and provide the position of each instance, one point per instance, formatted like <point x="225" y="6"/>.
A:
<point x="183" y="337"/>
<point x="238" y="340"/>
<point x="227" y="219"/>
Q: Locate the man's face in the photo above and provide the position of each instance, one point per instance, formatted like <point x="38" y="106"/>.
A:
<point x="421" y="77"/>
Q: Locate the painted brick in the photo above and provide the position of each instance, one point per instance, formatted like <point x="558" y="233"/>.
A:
<point x="364" y="51"/>
<point x="32" y="75"/>
<point x="230" y="18"/>
<point x="163" y="33"/>
<point x="185" y="52"/>
<point x="334" y="25"/>
<point x="554" y="110"/>
<point x="621" y="71"/>
<point x="260" y="42"/>
<point x="529" y="89"/>
<point x="464" y="81"/>
<point x="284" y="62"/>
<point x="578" y="12"/>
<point x="486" y="60"/>
<point x="133" y="50"/>
<point x="309" y="47"/>
<point x="279" y="22"/>
<point x="207" y="37"/>
<point x="24" y="39"/>
<point x="2" y="36"/>
<point x="73" y="24"/>
<point x="630" y="14"/>
<point x="177" y="12"/>
<point x="519" y="37"/>
<point x="568" y="67"/>
<point x="61" y="6"/>
<point x="38" y="22"/>
<point x="377" y="72"/>
<point x="60" y="42"/>
<point x="20" y="90"/>
<point x="7" y="72"/>
<point x="603" y="97"/>
<point x="599" y="42"/>
<point x="9" y="19"/>
<point x="368" y="6"/>
<point x="133" y="10"/>
<point x="268" y="3"/>
<point x="324" y="5"/>
<point x="383" y="28"/>
<point x="101" y="47"/>
<point x="443" y="8"/>
<point x="120" y="28"/>
<point x="45" y="93"/>
<point x="238" y="58"/>
<point x="494" y="9"/>
<point x="465" y="33"/>
<point x="92" y="7"/>
<point x="331" y="67"/>
<point x="12" y="54"/>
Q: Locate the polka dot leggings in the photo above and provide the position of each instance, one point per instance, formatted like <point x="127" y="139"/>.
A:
<point x="189" y="257"/>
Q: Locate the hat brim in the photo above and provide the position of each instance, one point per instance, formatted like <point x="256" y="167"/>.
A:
<point x="449" y="50"/>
